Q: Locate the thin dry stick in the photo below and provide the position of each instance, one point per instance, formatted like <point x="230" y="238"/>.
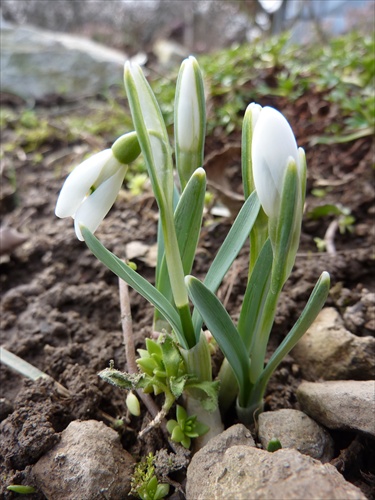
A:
<point x="329" y="237"/>
<point x="127" y="329"/>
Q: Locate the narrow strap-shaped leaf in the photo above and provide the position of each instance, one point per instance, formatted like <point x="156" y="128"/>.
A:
<point x="223" y="330"/>
<point x="230" y="248"/>
<point x="188" y="222"/>
<point x="136" y="281"/>
<point x="151" y="131"/>
<point x="255" y="296"/>
<point x="314" y="305"/>
<point x="283" y="227"/>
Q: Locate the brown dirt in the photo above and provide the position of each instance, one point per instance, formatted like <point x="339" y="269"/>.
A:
<point x="60" y="308"/>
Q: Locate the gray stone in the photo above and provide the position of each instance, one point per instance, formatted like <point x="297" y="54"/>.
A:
<point x="342" y="404"/>
<point x="329" y="351"/>
<point x="236" y="435"/>
<point x="245" y="472"/>
<point x="35" y="63"/>
<point x="89" y="463"/>
<point x="294" y="429"/>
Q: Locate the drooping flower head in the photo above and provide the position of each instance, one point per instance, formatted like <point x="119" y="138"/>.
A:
<point x="91" y="188"/>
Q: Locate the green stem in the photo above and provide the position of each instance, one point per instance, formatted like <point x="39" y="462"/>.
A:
<point x="176" y="275"/>
<point x="258" y="237"/>
<point x="228" y="387"/>
<point x="198" y="363"/>
<point x="258" y="352"/>
<point x="198" y="360"/>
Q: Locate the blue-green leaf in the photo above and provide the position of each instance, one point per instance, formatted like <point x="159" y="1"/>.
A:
<point x="314" y="305"/>
<point x="223" y="330"/>
<point x="230" y="248"/>
<point x="255" y="296"/>
<point x="136" y="281"/>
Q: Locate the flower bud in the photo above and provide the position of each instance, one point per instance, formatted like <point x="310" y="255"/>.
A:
<point x="126" y="148"/>
<point x="132" y="404"/>
<point x="273" y="145"/>
<point x="190" y="119"/>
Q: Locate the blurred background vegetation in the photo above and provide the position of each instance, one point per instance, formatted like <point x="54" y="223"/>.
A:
<point x="198" y="25"/>
<point x="270" y="51"/>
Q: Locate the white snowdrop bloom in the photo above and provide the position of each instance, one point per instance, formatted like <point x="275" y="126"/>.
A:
<point x="90" y="190"/>
<point x="92" y="187"/>
<point x="273" y="145"/>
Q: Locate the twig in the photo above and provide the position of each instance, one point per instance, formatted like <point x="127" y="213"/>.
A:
<point x="329" y="237"/>
<point x="232" y="279"/>
<point x="127" y="329"/>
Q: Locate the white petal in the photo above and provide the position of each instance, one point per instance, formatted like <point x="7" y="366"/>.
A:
<point x="188" y="110"/>
<point x="255" y="110"/>
<point x="79" y="182"/>
<point x="97" y="205"/>
<point x="273" y="143"/>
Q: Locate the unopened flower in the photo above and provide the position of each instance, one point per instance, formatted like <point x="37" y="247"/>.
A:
<point x="190" y="119"/>
<point x="92" y="187"/>
<point x="273" y="146"/>
<point x="132" y="404"/>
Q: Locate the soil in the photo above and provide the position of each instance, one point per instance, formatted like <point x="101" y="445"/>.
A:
<point x="60" y="307"/>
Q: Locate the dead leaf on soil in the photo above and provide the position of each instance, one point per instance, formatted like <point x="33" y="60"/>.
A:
<point x="142" y="251"/>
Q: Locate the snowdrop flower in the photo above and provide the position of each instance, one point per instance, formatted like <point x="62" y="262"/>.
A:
<point x="190" y="119"/>
<point x="273" y="145"/>
<point x="190" y="105"/>
<point x="92" y="187"/>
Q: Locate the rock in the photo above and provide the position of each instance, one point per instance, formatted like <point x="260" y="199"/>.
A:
<point x="36" y="63"/>
<point x="329" y="351"/>
<point x="245" y="472"/>
<point x="10" y="239"/>
<point x="169" y="53"/>
<point x="89" y="463"/>
<point x="343" y="404"/>
<point x="294" y="429"/>
<point x="236" y="435"/>
<point x="360" y="317"/>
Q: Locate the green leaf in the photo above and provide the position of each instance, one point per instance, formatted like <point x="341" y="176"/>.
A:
<point x="136" y="281"/>
<point x="162" y="491"/>
<point x="200" y="428"/>
<point x="121" y="379"/>
<point x="283" y="228"/>
<point x="186" y="442"/>
<point x="223" y="330"/>
<point x="255" y="296"/>
<point x="21" y="489"/>
<point x="172" y="358"/>
<point x="314" y="305"/>
<point x="177" y="385"/>
<point x="206" y="392"/>
<point x="188" y="222"/>
<point x="151" y="131"/>
<point x="325" y="210"/>
<point x="154" y="347"/>
<point x="171" y="424"/>
<point x="162" y="281"/>
<point x="181" y="414"/>
<point x="177" y="434"/>
<point x="273" y="445"/>
<point x="230" y="248"/>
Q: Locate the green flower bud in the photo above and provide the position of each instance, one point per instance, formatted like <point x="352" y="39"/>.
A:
<point x="126" y="148"/>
